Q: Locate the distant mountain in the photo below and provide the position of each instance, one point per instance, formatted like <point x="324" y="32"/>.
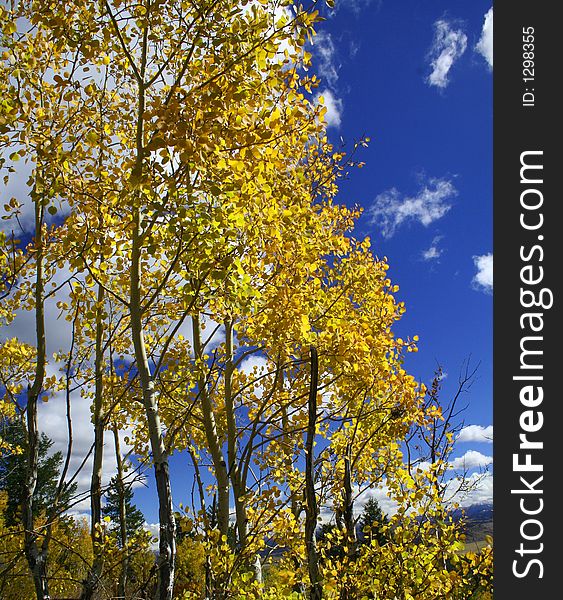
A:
<point x="478" y="523"/>
<point x="475" y="512"/>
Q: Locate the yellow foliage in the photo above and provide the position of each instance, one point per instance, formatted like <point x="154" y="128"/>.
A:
<point x="199" y="191"/>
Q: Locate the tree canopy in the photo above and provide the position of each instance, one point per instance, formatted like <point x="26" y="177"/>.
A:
<point x="184" y="223"/>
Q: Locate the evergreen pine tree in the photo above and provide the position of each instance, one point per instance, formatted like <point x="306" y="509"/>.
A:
<point x="13" y="469"/>
<point x="371" y="522"/>
<point x="134" y="518"/>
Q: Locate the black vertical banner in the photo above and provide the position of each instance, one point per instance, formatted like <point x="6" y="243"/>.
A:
<point x="528" y="332"/>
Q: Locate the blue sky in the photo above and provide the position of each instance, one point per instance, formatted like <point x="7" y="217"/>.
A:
<point x="416" y="77"/>
<point x="426" y="188"/>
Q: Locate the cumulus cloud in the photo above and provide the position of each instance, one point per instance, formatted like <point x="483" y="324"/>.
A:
<point x="466" y="490"/>
<point x="58" y="330"/>
<point x="327" y="66"/>
<point x="333" y="115"/>
<point x="448" y="46"/>
<point x="52" y="418"/>
<point x="471" y="460"/>
<point x="391" y="210"/>
<point x="17" y="187"/>
<point x="477" y="488"/>
<point x="381" y="494"/>
<point x="355" y="6"/>
<point x="483" y="279"/>
<point x="255" y="367"/>
<point x="52" y="421"/>
<point x="154" y="530"/>
<point x="325" y="58"/>
<point x="476" y="433"/>
<point x="485" y="44"/>
<point x="434" y="252"/>
<point x="256" y="363"/>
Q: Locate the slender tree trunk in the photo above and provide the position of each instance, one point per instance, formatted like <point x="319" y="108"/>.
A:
<point x="209" y="582"/>
<point x="122" y="518"/>
<point x="96" y="531"/>
<point x="53" y="510"/>
<point x="294" y="502"/>
<point x="235" y="472"/>
<point x="167" y="537"/>
<point x="219" y="464"/>
<point x="348" y="591"/>
<point x="311" y="508"/>
<point x="232" y="446"/>
<point x="349" y="522"/>
<point x="36" y="558"/>
<point x="167" y="540"/>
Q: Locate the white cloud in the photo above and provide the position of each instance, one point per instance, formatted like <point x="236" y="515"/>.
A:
<point x="433" y="253"/>
<point x="18" y="188"/>
<point x="483" y="279"/>
<point x="324" y="52"/>
<point x="326" y="64"/>
<point x="381" y="494"/>
<point x="154" y="530"/>
<point x="255" y="361"/>
<point x="52" y="421"/>
<point x="333" y="115"/>
<point x="476" y="433"/>
<point x="390" y="209"/>
<point x="280" y="12"/>
<point x="355" y="6"/>
<point x="471" y="460"/>
<point x="485" y="44"/>
<point x="448" y="46"/>
<point x="354" y="48"/>
<point x="52" y="418"/>
<point x="475" y="489"/>
<point x="255" y="367"/>
<point x="58" y="331"/>
<point x="327" y="67"/>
